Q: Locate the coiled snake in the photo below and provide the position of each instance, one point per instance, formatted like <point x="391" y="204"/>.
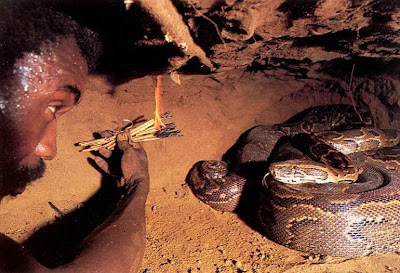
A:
<point x="345" y="204"/>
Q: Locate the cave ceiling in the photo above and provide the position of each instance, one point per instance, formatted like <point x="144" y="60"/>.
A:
<point x="300" y="37"/>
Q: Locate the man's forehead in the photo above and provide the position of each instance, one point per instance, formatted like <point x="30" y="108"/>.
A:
<point x="62" y="58"/>
<point x="63" y="50"/>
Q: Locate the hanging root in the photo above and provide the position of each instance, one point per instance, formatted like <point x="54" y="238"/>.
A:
<point x="351" y="93"/>
<point x="212" y="22"/>
<point x="175" y="30"/>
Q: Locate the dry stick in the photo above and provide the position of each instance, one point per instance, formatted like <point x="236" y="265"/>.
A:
<point x="109" y="142"/>
<point x="150" y="131"/>
<point x="142" y="127"/>
<point x="350" y="91"/>
<point x="145" y="132"/>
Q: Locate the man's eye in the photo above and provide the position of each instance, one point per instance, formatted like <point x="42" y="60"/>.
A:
<point x="55" y="108"/>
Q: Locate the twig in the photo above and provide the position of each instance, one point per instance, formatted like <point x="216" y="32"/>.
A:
<point x="150" y="130"/>
<point x="350" y="91"/>
<point x="212" y="22"/>
<point x="144" y="132"/>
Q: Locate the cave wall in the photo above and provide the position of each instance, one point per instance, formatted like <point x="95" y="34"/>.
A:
<point x="350" y="47"/>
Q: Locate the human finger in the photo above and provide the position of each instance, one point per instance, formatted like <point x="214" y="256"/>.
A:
<point x="105" y="133"/>
<point x="122" y="142"/>
<point x="102" y="164"/>
<point x="105" y="152"/>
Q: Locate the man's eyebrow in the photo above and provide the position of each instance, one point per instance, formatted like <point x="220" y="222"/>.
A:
<point x="74" y="90"/>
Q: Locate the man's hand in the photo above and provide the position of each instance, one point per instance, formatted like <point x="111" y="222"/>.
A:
<point x="118" y="244"/>
<point x="128" y="162"/>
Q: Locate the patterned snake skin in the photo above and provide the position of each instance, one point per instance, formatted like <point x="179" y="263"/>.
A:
<point x="339" y="219"/>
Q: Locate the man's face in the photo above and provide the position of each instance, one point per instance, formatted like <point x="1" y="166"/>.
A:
<point x="45" y="86"/>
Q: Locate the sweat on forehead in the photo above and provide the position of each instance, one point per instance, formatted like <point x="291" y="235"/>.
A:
<point x="25" y="28"/>
<point x="55" y="60"/>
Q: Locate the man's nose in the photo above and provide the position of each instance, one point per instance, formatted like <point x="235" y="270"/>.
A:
<point x="47" y="147"/>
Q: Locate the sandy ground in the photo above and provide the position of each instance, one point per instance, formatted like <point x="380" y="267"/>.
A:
<point x="183" y="234"/>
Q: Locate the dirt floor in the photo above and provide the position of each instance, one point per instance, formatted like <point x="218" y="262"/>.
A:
<point x="183" y="234"/>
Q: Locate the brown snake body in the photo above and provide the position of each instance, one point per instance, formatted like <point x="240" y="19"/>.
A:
<point x="212" y="185"/>
<point x="342" y="219"/>
<point x="328" y="152"/>
<point x="352" y="220"/>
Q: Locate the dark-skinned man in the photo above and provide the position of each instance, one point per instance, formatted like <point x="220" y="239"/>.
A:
<point x="45" y="58"/>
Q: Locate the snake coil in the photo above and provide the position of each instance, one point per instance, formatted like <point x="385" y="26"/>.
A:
<point x="210" y="182"/>
<point x="348" y="219"/>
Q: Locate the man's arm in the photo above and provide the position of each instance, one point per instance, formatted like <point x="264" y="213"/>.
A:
<point x="118" y="244"/>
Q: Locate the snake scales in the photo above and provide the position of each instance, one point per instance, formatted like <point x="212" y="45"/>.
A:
<point x="339" y="219"/>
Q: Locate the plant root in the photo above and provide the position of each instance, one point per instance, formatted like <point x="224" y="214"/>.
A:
<point x="175" y="30"/>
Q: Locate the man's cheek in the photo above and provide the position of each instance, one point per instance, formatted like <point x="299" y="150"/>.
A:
<point x="25" y="142"/>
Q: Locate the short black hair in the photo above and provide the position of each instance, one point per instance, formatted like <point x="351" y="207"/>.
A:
<point x="25" y="27"/>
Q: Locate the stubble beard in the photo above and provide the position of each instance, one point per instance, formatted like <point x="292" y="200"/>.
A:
<point x="13" y="181"/>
